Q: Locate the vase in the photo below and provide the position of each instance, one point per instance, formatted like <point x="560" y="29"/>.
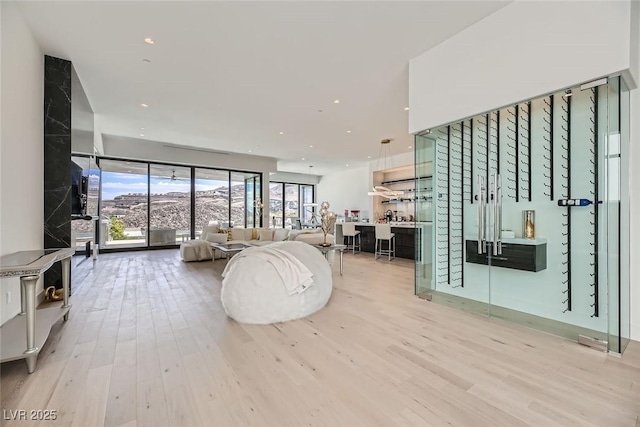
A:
<point x="529" y="231"/>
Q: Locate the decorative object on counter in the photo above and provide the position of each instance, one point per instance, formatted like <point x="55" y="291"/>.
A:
<point x="327" y="221"/>
<point x="355" y="215"/>
<point x="529" y="218"/>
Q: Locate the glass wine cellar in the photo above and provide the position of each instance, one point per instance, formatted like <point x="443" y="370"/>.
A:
<point x="529" y="213"/>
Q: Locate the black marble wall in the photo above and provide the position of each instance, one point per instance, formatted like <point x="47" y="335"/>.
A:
<point x="57" y="160"/>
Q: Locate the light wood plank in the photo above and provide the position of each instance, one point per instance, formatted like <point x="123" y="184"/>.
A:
<point x="148" y="344"/>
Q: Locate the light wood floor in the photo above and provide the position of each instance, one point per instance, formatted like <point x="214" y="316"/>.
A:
<point x="148" y="344"/>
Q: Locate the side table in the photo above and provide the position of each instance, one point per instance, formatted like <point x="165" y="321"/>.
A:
<point x="29" y="266"/>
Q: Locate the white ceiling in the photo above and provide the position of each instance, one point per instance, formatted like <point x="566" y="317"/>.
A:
<point x="232" y="75"/>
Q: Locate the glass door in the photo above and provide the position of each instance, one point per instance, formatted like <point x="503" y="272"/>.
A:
<point x="530" y="214"/>
<point x="249" y="202"/>
<point x="170" y="204"/>
<point x="124" y="201"/>
<point x="457" y="197"/>
<point x="423" y="215"/>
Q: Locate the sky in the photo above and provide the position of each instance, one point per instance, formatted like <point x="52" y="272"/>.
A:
<point x="116" y="183"/>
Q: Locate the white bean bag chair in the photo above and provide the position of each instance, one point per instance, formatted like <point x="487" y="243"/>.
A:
<point x="253" y="290"/>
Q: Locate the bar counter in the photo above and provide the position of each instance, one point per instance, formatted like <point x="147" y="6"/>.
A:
<point x="405" y="236"/>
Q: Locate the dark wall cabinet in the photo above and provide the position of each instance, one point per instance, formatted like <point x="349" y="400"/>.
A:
<point x="405" y="240"/>
<point x="515" y="256"/>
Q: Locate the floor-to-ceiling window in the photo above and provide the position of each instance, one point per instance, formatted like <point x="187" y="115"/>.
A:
<point x="212" y="197"/>
<point x="276" y="204"/>
<point x="146" y="204"/>
<point x="124" y="204"/>
<point x="306" y="200"/>
<point x="290" y="204"/>
<point x="252" y="200"/>
<point x="170" y="207"/>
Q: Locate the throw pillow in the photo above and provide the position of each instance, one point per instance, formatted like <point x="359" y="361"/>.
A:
<point x="265" y="234"/>
<point x="237" y="234"/>
<point x="280" y="235"/>
<point x="216" y="237"/>
<point x="210" y="229"/>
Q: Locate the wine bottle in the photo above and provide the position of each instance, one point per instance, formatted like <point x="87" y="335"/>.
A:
<point x="576" y="202"/>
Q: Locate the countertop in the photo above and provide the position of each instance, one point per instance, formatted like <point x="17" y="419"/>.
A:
<point x="516" y="241"/>
<point x="394" y="224"/>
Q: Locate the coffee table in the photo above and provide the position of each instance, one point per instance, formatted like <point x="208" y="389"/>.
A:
<point x="229" y="249"/>
<point x="326" y="249"/>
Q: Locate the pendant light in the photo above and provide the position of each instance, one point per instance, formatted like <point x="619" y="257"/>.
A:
<point x="379" y="190"/>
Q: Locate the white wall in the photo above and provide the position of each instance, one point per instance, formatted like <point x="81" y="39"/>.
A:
<point x="131" y="148"/>
<point x="634" y="51"/>
<point x="297" y="178"/>
<point x="21" y="147"/>
<point x="522" y="51"/>
<point x="348" y="189"/>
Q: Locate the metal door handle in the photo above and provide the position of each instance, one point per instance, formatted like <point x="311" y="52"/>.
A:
<point x="497" y="215"/>
<point x="481" y="216"/>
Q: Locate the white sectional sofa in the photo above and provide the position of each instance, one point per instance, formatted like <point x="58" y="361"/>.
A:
<point x="200" y="249"/>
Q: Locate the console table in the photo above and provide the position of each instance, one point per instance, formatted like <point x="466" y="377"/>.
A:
<point x="23" y="336"/>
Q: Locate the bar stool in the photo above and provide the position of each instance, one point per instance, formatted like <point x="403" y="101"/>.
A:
<point x="349" y="230"/>
<point x="383" y="232"/>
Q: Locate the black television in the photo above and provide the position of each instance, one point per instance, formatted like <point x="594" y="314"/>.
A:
<point x="79" y="188"/>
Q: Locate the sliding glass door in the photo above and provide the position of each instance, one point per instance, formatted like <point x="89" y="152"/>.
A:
<point x="147" y="204"/>
<point x="290" y="205"/>
<point x="170" y="207"/>
<point x="307" y="198"/>
<point x="124" y="205"/>
<point x="212" y="197"/>
<point x="252" y="202"/>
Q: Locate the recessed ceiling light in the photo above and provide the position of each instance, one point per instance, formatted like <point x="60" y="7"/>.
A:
<point x="347" y="165"/>
<point x="302" y="158"/>
<point x="144" y="105"/>
<point x="146" y="60"/>
<point x="409" y="147"/>
<point x="368" y="157"/>
<point x="336" y="101"/>
<point x="348" y="131"/>
<point x="311" y="146"/>
<point x="406" y="108"/>
<point x="319" y="111"/>
<point x="142" y="134"/>
<point x="281" y="133"/>
<point x="129" y="171"/>
<point x="250" y="151"/>
<point x="141" y="128"/>
<point x="149" y="40"/>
